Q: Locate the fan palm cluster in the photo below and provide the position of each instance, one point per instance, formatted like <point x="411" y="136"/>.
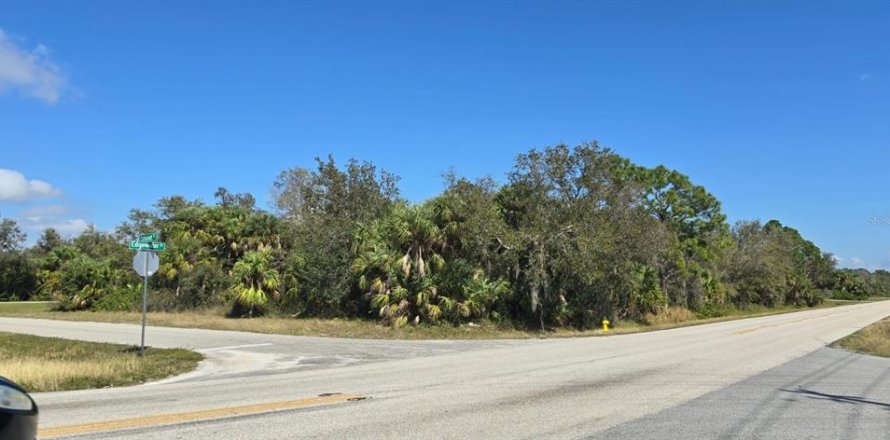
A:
<point x="255" y="280"/>
<point x="401" y="266"/>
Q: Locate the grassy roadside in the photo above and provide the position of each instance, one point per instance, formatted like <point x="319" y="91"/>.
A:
<point x="51" y="364"/>
<point x="874" y="339"/>
<point x="25" y="307"/>
<point x="354" y="328"/>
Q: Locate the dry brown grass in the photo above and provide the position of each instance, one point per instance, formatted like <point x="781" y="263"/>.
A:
<point x="672" y="315"/>
<point x="364" y="329"/>
<point x="874" y="339"/>
<point x="342" y="328"/>
<point x="43" y="375"/>
<point x="52" y="364"/>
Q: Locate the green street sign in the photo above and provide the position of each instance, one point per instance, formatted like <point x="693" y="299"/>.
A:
<point x="148" y="238"/>
<point x="150" y="246"/>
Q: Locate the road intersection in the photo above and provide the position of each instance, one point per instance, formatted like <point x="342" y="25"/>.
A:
<point x="536" y="388"/>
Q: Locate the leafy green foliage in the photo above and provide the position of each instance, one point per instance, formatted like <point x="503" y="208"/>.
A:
<point x="322" y="209"/>
<point x="18" y="278"/>
<point x="399" y="264"/>
<point x="402" y="265"/>
<point x="11" y="236"/>
<point x="17" y="272"/>
<point x="254" y="281"/>
<point x="572" y="236"/>
<point x="849" y="285"/>
<point x="579" y="238"/>
<point x="771" y="264"/>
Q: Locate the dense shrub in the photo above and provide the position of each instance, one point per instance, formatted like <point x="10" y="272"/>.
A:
<point x="571" y="235"/>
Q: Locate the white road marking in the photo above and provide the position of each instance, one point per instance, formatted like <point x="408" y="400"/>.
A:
<point x="233" y="347"/>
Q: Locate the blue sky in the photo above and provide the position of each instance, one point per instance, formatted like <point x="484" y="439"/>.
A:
<point x="778" y="108"/>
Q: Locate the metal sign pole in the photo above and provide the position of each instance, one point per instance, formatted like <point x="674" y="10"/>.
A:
<point x="144" y="304"/>
<point x="146" y="248"/>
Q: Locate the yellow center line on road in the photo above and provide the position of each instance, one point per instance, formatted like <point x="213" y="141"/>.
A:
<point x="216" y="413"/>
<point x="760" y="327"/>
<point x="754" y="329"/>
<point x="747" y="330"/>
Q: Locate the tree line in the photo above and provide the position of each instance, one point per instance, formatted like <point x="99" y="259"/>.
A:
<point x="573" y="235"/>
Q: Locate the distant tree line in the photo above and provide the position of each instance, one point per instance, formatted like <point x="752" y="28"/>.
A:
<point x="573" y="235"/>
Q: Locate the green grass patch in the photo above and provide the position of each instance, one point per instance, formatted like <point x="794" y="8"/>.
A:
<point x="25" y="307"/>
<point x="874" y="339"/>
<point x="52" y="364"/>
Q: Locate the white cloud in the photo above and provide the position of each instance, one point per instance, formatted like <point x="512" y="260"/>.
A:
<point x="870" y="263"/>
<point x="14" y="187"/>
<point x="864" y="77"/>
<point x="38" y="218"/>
<point x="45" y="211"/>
<point x="38" y="213"/>
<point x="30" y="72"/>
<point x="67" y="227"/>
<point x="860" y="263"/>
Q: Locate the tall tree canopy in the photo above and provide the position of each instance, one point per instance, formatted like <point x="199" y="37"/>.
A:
<point x="574" y="234"/>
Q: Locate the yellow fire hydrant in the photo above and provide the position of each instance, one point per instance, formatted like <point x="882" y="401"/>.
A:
<point x="605" y="325"/>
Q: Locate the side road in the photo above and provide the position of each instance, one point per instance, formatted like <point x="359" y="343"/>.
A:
<point x="231" y="353"/>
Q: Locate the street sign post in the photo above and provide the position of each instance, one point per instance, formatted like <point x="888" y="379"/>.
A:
<point x="150" y="246"/>
<point x="146" y="263"/>
<point x="148" y="238"/>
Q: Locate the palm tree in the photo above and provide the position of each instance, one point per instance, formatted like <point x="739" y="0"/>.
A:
<point x="254" y="280"/>
<point x="398" y="263"/>
<point x="480" y="294"/>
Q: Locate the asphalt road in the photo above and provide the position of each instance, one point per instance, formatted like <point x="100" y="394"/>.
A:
<point x="828" y="394"/>
<point x="568" y="388"/>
